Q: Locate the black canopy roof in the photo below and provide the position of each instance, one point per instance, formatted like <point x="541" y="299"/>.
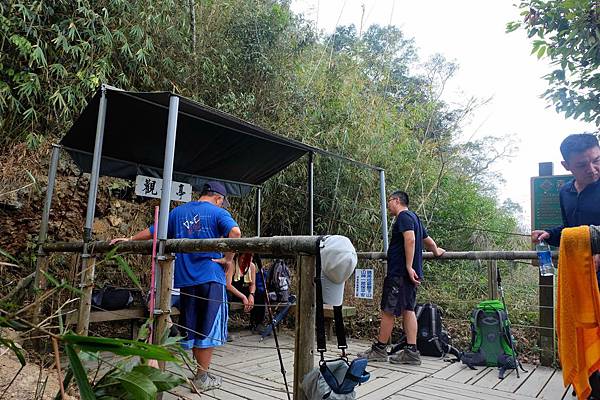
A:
<point x="209" y="144"/>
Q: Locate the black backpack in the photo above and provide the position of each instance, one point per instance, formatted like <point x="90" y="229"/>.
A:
<point x="278" y="282"/>
<point x="110" y="298"/>
<point x="432" y="339"/>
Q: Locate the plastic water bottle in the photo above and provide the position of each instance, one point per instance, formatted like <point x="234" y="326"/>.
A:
<point x="545" y="258"/>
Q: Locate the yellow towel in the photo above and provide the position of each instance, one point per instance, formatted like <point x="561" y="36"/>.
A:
<point x="577" y="310"/>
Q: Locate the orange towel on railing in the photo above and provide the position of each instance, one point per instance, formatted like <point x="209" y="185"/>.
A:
<point x="577" y="310"/>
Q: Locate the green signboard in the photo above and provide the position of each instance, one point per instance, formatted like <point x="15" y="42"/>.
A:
<point x="545" y="204"/>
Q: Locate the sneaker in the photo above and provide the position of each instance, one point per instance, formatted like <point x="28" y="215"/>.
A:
<point x="207" y="381"/>
<point x="406" y="356"/>
<point x="375" y="353"/>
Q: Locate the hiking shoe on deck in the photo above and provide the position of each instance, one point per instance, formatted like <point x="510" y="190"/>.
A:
<point x="207" y="381"/>
<point x="406" y="356"/>
<point x="375" y="353"/>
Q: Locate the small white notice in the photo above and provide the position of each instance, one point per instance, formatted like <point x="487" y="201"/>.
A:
<point x="148" y="186"/>
<point x="363" y="283"/>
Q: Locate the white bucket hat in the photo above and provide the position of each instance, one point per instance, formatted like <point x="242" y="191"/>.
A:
<point x="338" y="260"/>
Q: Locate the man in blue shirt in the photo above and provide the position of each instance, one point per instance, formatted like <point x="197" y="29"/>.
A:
<point x="201" y="276"/>
<point x="580" y="197"/>
<point x="404" y="274"/>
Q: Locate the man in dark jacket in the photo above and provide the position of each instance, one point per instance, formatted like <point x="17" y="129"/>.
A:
<point x="580" y="197"/>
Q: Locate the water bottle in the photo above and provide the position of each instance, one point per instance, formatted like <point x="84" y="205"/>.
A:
<point x="545" y="258"/>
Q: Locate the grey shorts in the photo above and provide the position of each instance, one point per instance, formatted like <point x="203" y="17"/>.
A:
<point x="399" y="294"/>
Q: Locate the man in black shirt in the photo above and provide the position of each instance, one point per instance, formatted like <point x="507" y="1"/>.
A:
<point x="580" y="197"/>
<point x="405" y="272"/>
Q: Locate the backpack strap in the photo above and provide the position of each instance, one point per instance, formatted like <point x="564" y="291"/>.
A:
<point x="319" y="316"/>
<point x="476" y="339"/>
<point x="340" y="331"/>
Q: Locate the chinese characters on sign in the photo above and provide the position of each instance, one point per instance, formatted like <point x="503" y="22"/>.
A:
<point x="363" y="283"/>
<point x="148" y="186"/>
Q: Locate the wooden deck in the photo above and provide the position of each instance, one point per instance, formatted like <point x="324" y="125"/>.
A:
<point x="250" y="370"/>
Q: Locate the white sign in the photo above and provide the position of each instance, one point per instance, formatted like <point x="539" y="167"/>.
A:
<point x="148" y="186"/>
<point x="363" y="283"/>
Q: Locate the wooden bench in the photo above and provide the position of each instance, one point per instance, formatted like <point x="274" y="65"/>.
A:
<point x="347" y="311"/>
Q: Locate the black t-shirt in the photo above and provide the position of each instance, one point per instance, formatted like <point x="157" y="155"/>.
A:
<point x="405" y="221"/>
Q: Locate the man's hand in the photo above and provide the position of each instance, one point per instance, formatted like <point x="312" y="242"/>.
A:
<point x="597" y="261"/>
<point x="413" y="276"/>
<point x="438" y="252"/>
<point x="538" y="236"/>
<point x="119" y="240"/>
<point x="224" y="263"/>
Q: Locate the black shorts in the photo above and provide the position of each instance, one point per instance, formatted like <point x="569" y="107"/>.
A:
<point x="399" y="294"/>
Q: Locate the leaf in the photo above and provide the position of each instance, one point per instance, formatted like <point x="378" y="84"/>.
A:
<point x="5" y="254"/>
<point x="138" y="385"/>
<point x="121" y="347"/>
<point x="85" y="390"/>
<point x="125" y="267"/>
<point x="15" y="349"/>
<point x="163" y="380"/>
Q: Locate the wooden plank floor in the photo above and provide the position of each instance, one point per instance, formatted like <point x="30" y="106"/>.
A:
<point x="250" y="370"/>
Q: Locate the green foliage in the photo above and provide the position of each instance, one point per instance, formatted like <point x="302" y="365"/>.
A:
<point x="567" y="32"/>
<point x="128" y="378"/>
<point x="121" y="347"/>
<point x="365" y="96"/>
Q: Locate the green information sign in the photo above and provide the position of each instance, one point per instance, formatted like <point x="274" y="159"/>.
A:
<point x="545" y="204"/>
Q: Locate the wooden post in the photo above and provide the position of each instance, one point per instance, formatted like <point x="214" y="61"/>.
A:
<point x="88" y="270"/>
<point x="305" y="323"/>
<point x="546" y="300"/>
<point x="166" y="264"/>
<point x="492" y="279"/>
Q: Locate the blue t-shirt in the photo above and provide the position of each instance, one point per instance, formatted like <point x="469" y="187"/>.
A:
<point x="198" y="220"/>
<point x="396" y="256"/>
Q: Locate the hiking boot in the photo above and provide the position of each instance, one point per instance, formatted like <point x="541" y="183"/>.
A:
<point x="375" y="353"/>
<point x="207" y="381"/>
<point x="406" y="356"/>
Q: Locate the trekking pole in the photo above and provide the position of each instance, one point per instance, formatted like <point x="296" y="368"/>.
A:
<point x="272" y="323"/>
<point x="510" y="338"/>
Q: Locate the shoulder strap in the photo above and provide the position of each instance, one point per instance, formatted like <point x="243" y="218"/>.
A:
<point x="319" y="317"/>
<point x="340" y="331"/>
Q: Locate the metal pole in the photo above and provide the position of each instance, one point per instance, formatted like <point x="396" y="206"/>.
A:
<point x="383" y="207"/>
<point x="46" y="213"/>
<point x="311" y="194"/>
<point x="95" y="172"/>
<point x="41" y="263"/>
<point x="88" y="263"/>
<point x="258" y="209"/>
<point x="165" y="200"/>
<point x="164" y="274"/>
<point x="49" y="192"/>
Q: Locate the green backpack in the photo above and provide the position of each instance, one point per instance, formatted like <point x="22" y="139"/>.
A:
<point x="491" y="338"/>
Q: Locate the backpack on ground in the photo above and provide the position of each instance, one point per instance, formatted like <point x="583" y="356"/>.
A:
<point x="432" y="339"/>
<point x="492" y="343"/>
<point x="278" y="282"/>
<point x="111" y="298"/>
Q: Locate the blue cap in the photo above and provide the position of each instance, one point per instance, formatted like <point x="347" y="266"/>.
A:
<point x="217" y="187"/>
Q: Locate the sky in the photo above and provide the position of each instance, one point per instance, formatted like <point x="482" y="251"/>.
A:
<point x="492" y="64"/>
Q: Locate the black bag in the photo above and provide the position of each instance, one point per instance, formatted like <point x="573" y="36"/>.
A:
<point x="278" y="282"/>
<point x="432" y="339"/>
<point x="110" y="298"/>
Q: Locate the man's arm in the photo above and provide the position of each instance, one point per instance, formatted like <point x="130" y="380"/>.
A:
<point x="409" y="254"/>
<point x="432" y="246"/>
<point x="141" y="235"/>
